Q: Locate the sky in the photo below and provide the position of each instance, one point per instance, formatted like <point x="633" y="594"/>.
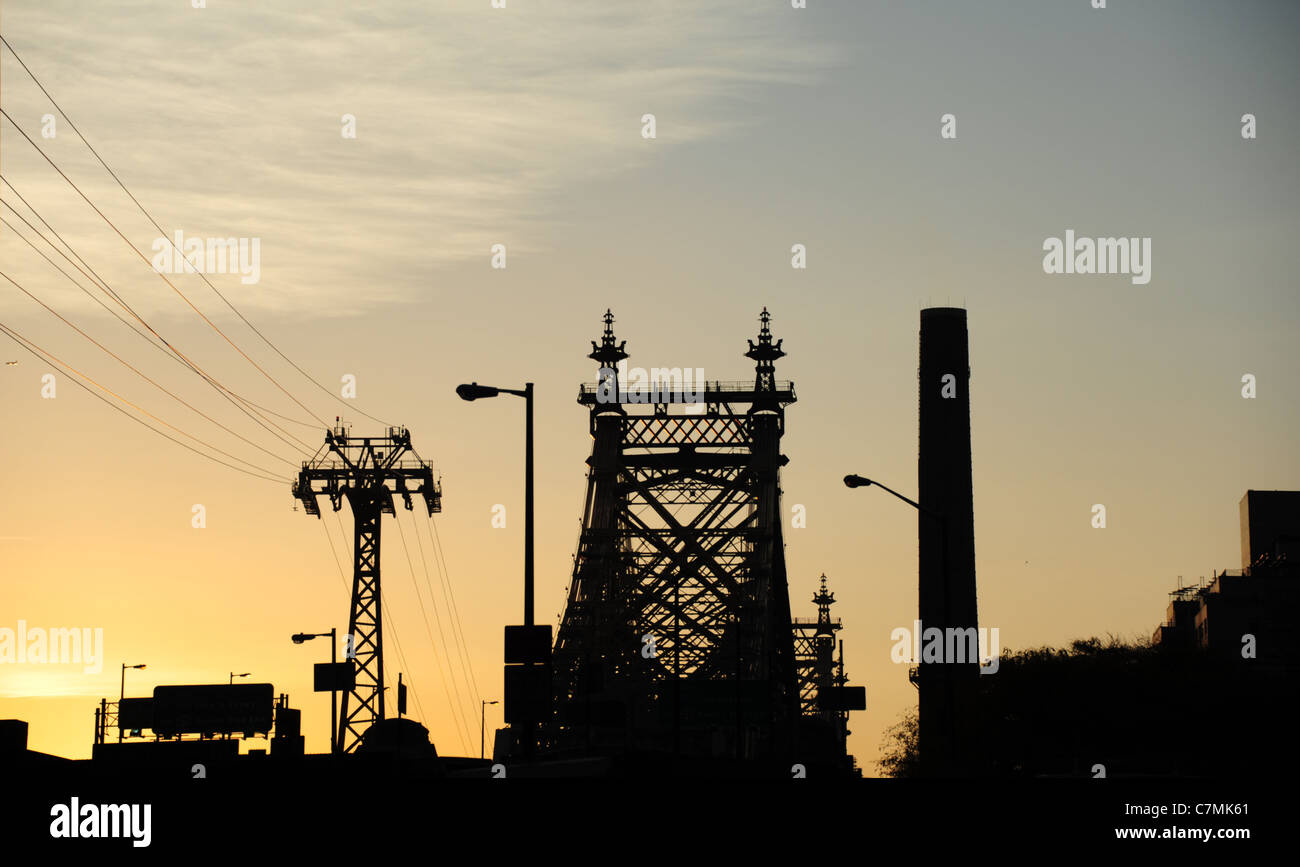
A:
<point x="523" y="126"/>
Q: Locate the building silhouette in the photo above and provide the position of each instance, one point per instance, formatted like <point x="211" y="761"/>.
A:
<point x="1247" y="612"/>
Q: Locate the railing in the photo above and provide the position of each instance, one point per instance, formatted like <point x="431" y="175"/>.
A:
<point x="344" y="430"/>
<point x="836" y="622"/>
<point x="683" y="390"/>
<point x="335" y="463"/>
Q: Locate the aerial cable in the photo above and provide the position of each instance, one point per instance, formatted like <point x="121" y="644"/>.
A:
<point x="457" y="709"/>
<point x="470" y="686"/>
<point x="99" y="282"/>
<point x="145" y="259"/>
<point x="44" y="355"/>
<point x="149" y="216"/>
<point x="136" y="370"/>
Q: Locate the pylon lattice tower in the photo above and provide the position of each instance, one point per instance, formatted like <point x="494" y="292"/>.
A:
<point x="676" y="633"/>
<point x="369" y="472"/>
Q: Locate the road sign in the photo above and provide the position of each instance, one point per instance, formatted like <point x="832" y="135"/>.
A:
<point x="335" y="676"/>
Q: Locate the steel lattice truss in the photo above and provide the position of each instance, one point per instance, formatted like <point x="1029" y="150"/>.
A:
<point x="805" y="660"/>
<point x="685" y="537"/>
<point x="666" y="430"/>
<point x="680" y="575"/>
<point x="814" y="661"/>
<point x="369" y="472"/>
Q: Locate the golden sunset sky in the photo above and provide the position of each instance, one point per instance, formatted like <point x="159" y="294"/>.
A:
<point x="523" y="126"/>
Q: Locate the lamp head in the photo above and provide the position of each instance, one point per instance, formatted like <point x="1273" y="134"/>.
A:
<point x="856" y="481"/>
<point x="473" y="391"/>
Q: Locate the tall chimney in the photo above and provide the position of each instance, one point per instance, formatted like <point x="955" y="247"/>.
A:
<point x="946" y="534"/>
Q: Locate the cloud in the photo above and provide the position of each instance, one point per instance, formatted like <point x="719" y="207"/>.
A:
<point x="226" y="122"/>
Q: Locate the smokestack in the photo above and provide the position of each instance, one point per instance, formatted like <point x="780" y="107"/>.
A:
<point x="946" y="534"/>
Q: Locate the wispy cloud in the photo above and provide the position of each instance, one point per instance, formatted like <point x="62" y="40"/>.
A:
<point x="470" y="120"/>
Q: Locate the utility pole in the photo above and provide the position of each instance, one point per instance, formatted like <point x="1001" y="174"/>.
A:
<point x="482" y="727"/>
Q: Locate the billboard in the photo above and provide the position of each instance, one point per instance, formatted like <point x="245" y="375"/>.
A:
<point x="134" y="714"/>
<point x="207" y="709"/>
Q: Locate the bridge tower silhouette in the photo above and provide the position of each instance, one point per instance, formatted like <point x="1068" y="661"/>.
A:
<point x="676" y="635"/>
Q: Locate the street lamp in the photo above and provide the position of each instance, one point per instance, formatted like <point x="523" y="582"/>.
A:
<point x="854" y="481"/>
<point x="530" y="645"/>
<point x="242" y="674"/>
<point x="474" y="391"/>
<point x="482" y="729"/>
<point x="302" y="637"/>
<point x="121" y="695"/>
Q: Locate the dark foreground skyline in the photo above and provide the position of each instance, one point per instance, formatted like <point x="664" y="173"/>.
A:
<point x="776" y="127"/>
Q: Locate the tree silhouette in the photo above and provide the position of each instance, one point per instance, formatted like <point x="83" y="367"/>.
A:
<point x="1135" y="708"/>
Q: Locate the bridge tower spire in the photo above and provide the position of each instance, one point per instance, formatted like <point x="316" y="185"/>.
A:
<point x="676" y="634"/>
